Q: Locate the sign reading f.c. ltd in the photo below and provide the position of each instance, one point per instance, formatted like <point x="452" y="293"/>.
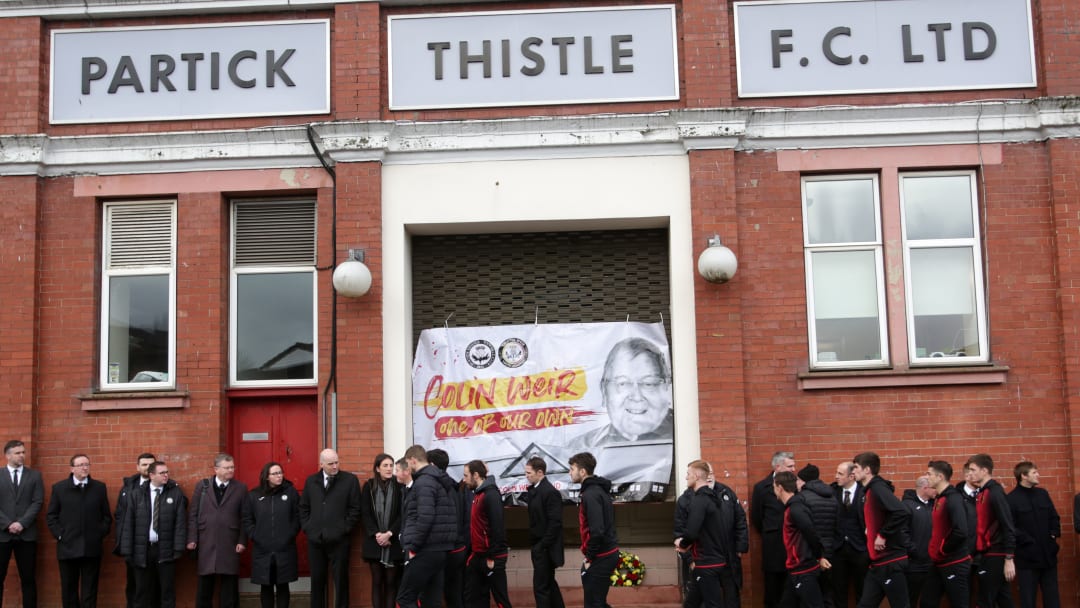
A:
<point x="184" y="72"/>
<point x="831" y="47"/>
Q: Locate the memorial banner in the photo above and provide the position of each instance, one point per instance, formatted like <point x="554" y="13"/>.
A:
<point x="504" y="394"/>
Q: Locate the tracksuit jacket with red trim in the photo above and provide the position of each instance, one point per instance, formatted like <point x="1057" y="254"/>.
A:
<point x="486" y="529"/>
<point x="949" y="532"/>
<point x="995" y="533"/>
<point x="596" y="519"/>
<point x="702" y="535"/>
<point x="886" y="517"/>
<point x="802" y="545"/>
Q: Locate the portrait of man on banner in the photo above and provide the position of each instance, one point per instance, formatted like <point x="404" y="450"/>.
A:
<point x="507" y="393"/>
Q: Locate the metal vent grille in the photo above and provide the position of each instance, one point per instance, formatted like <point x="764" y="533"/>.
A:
<point x="274" y="233"/>
<point x="549" y="277"/>
<point x="139" y="236"/>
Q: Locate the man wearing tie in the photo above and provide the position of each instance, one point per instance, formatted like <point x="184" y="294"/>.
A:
<point x="850" y="559"/>
<point x="79" y="519"/>
<point x="153" y="538"/>
<point x="329" y="509"/>
<point x="127" y="487"/>
<point x="21" y="496"/>
<point x="214" y="529"/>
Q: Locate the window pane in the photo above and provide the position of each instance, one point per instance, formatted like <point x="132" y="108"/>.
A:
<point x="138" y="329"/>
<point x="846" y="306"/>
<point x="938" y="207"/>
<point x="841" y="211"/>
<point x="943" y="300"/>
<point x="275" y="326"/>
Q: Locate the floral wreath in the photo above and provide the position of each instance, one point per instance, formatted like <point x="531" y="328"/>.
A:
<point x="629" y="572"/>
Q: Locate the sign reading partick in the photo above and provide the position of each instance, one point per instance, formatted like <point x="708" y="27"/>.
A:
<point x="187" y="72"/>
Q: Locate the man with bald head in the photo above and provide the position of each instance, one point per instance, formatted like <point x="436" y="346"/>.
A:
<point x="329" y="509"/>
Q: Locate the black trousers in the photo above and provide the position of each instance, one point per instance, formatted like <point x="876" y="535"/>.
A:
<point x="129" y="588"/>
<point x="993" y="588"/>
<point x="483" y="584"/>
<point x="949" y="581"/>
<point x="775" y="583"/>
<point x="725" y="592"/>
<point x="275" y="594"/>
<point x="916" y="580"/>
<point x="155" y="585"/>
<point x="545" y="588"/>
<point x="326" y="560"/>
<point x="422" y="578"/>
<point x="25" y="553"/>
<point x="228" y="590"/>
<point x="882" y="582"/>
<point x="384" y="584"/>
<point x="1031" y="579"/>
<point x="596" y="580"/>
<point x="79" y="582"/>
<point x="454" y="579"/>
<point x="803" y="591"/>
<point x="849" y="567"/>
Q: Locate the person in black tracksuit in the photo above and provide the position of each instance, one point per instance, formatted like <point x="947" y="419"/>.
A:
<point x="948" y="547"/>
<point x="734" y="540"/>
<point x="850" y="561"/>
<point x="596" y="521"/>
<point x="485" y="569"/>
<point x="995" y="536"/>
<point x="1038" y="526"/>
<point x="803" y="550"/>
<point x="428" y="530"/>
<point x="887" y="536"/>
<point x="702" y="540"/>
<point x="823" y="510"/>
<point x="919" y="503"/>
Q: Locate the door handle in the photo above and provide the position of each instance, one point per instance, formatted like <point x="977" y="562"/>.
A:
<point x="288" y="453"/>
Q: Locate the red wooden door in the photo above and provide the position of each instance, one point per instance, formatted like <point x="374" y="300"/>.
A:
<point x="275" y="429"/>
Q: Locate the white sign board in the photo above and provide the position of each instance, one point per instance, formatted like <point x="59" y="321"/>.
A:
<point x="520" y="58"/>
<point x="808" y="47"/>
<point x="507" y="393"/>
<point x="187" y="72"/>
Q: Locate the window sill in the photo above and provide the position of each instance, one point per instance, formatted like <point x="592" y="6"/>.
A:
<point x="917" y="376"/>
<point x="138" y="400"/>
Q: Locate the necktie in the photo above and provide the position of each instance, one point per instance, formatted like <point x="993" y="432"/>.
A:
<point x="15" y="479"/>
<point x="156" y="517"/>
<point x="847" y="498"/>
<point x="329" y="480"/>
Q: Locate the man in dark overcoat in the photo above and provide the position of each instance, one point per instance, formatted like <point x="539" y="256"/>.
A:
<point x="79" y="519"/>
<point x="215" y="531"/>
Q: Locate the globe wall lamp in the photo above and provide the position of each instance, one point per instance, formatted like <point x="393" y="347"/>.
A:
<point x="717" y="264"/>
<point x="352" y="278"/>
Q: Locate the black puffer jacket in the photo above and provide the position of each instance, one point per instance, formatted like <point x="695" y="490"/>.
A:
<point x="172" y="525"/>
<point x="823" y="507"/>
<point x="272" y="521"/>
<point x="430" y="519"/>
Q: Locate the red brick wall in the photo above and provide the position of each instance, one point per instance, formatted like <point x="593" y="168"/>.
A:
<point x="23" y="93"/>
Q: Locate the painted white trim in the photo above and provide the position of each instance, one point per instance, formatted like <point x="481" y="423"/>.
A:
<point x="527" y="195"/>
<point x="616" y="135"/>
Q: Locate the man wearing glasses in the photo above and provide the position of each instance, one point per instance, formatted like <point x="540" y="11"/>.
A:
<point x="636" y="388"/>
<point x="79" y="519"/>
<point x="154" y="537"/>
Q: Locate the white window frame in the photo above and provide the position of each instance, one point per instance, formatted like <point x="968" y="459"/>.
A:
<point x="234" y="274"/>
<point x="876" y="246"/>
<point x="974" y="243"/>
<point x="108" y="273"/>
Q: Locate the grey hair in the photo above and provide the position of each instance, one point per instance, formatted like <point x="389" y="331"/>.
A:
<point x="779" y="457"/>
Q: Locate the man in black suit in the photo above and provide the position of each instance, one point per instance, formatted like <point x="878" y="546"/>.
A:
<point x="545" y="534"/>
<point x="21" y="497"/>
<point x="329" y="510"/>
<point x="79" y="519"/>
<point x="850" y="559"/>
<point x="128" y="486"/>
<point x="767" y="516"/>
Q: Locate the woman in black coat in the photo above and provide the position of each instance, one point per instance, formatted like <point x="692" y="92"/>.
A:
<point x="380" y="511"/>
<point x="272" y="521"/>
